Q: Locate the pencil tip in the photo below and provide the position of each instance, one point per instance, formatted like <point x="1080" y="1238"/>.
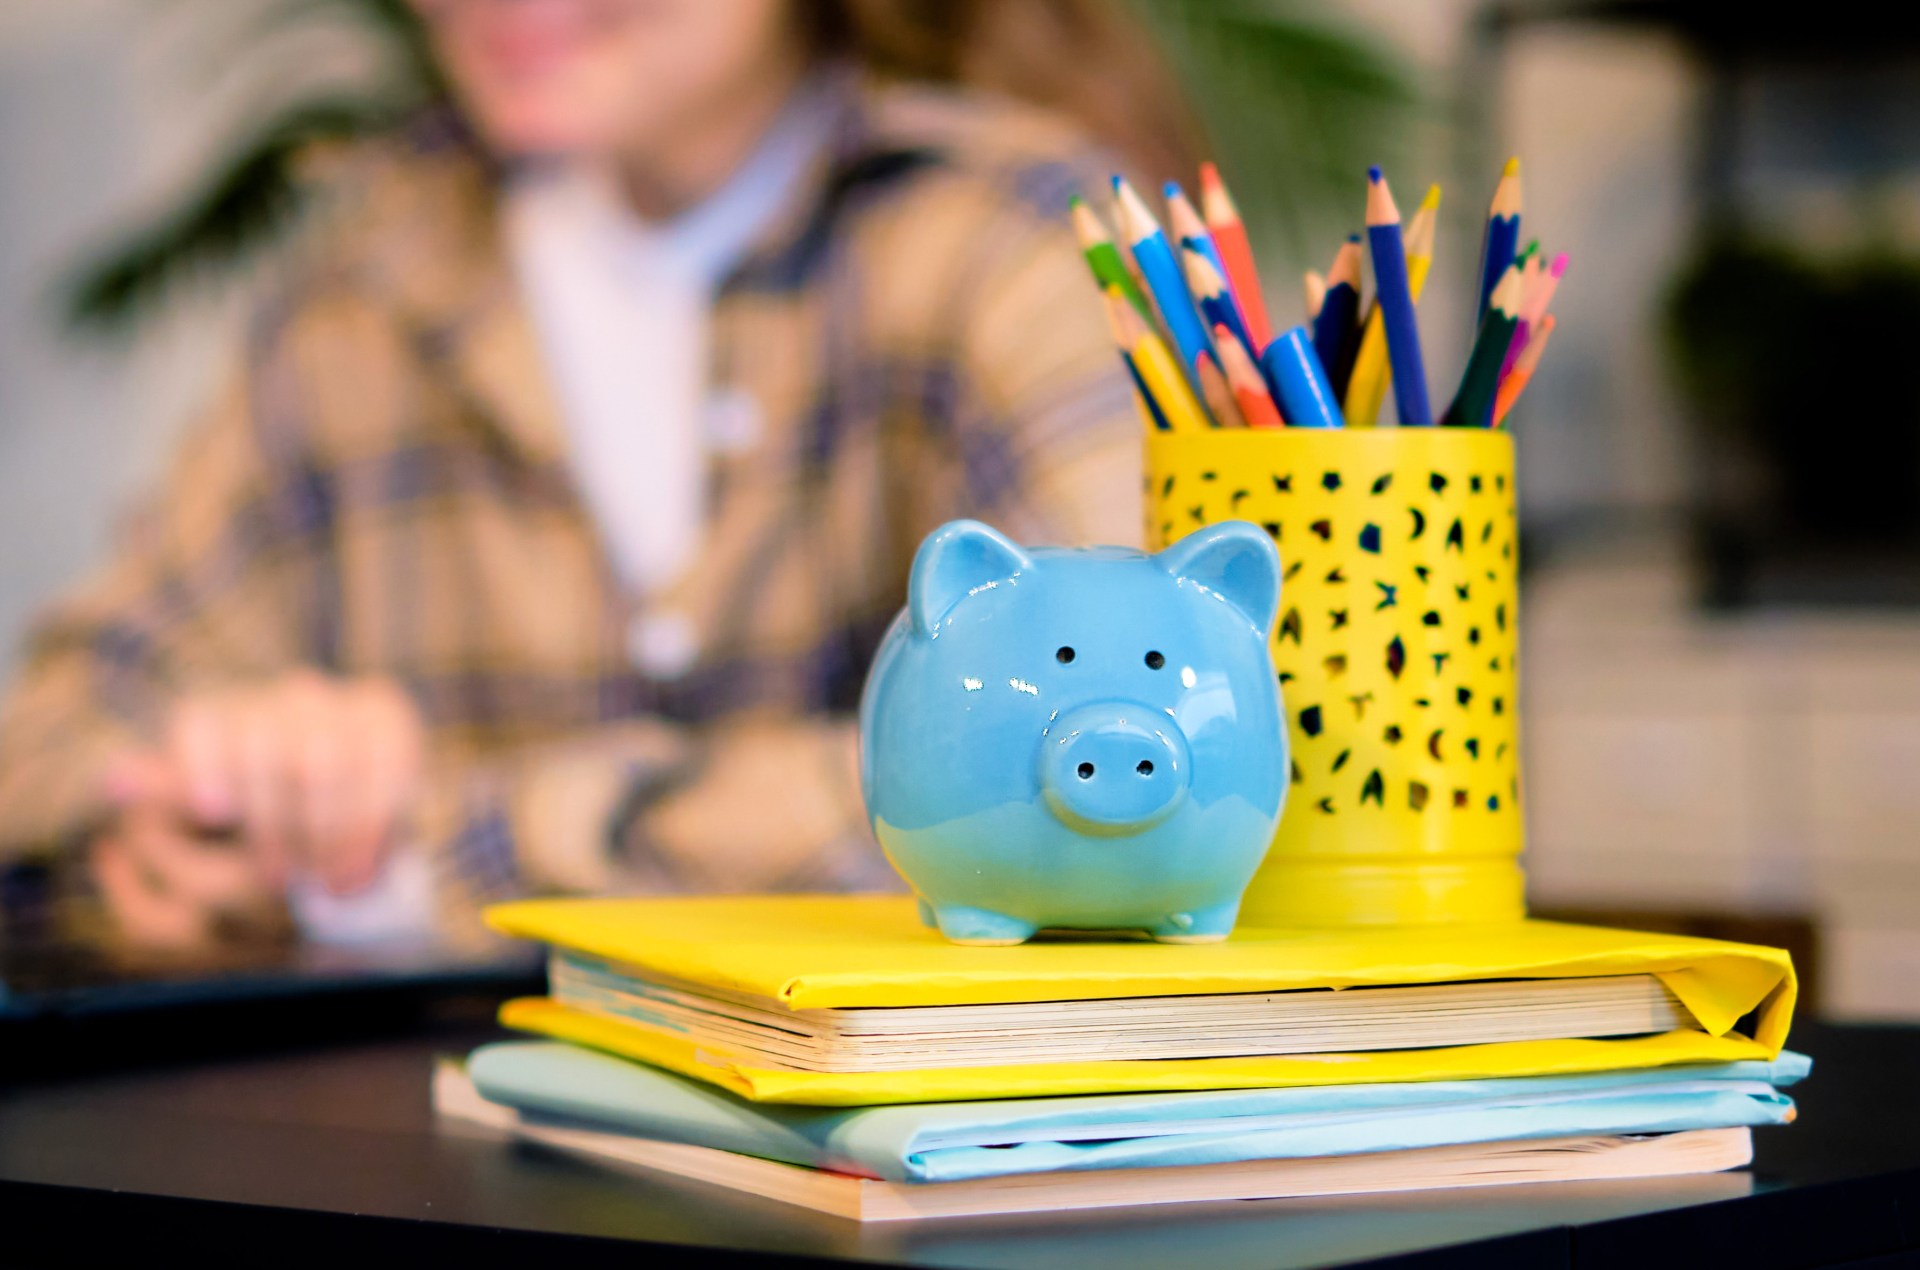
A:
<point x="1559" y="265"/>
<point x="1433" y="197"/>
<point x="1171" y="190"/>
<point x="1512" y="168"/>
<point x="1373" y="174"/>
<point x="1209" y="174"/>
<point x="1354" y="239"/>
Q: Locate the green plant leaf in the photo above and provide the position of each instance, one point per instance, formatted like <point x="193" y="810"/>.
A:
<point x="1297" y="109"/>
<point x="249" y="201"/>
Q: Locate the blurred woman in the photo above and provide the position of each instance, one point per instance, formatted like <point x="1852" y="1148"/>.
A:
<point x="541" y="542"/>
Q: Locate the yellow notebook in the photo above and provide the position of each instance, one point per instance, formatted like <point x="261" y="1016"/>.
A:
<point x="815" y="952"/>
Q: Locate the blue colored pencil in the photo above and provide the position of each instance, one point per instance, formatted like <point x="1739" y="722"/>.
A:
<point x="1394" y="295"/>
<point x="1161" y="269"/>
<point x="1336" y="329"/>
<point x="1503" y="236"/>
<point x="1156" y="415"/>
<point x="1188" y="229"/>
<point x="1299" y="382"/>
<point x="1210" y="291"/>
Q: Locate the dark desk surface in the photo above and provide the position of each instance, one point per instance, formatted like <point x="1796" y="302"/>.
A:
<point x="329" y="1155"/>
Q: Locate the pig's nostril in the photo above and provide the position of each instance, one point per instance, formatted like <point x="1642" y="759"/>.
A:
<point x="1086" y="771"/>
<point x="1145" y="768"/>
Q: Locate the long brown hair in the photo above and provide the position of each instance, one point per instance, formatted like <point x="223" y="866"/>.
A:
<point x="1086" y="59"/>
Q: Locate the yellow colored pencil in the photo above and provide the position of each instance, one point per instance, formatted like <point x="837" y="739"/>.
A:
<point x="1372" y="373"/>
<point x="1156" y="367"/>
<point x="1113" y="304"/>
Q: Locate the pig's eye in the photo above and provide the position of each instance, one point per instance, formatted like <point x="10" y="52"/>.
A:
<point x="1155" y="661"/>
<point x="1063" y="654"/>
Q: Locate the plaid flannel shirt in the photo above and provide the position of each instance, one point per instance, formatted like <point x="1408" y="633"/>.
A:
<point x="384" y="490"/>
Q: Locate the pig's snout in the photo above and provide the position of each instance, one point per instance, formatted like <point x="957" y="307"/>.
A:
<point x="1114" y="767"/>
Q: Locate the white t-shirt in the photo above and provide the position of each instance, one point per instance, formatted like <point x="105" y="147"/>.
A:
<point x="622" y="309"/>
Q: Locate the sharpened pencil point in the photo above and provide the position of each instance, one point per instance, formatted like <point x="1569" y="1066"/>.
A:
<point x="1512" y="168"/>
<point x="1373" y="174"/>
<point x="1135" y="220"/>
<point x="1380" y="205"/>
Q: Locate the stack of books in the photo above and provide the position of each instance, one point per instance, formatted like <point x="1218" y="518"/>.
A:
<point x="833" y="1053"/>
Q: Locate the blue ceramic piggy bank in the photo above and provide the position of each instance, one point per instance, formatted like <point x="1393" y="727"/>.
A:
<point x="1078" y="739"/>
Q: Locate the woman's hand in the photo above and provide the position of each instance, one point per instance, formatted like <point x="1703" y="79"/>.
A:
<point x="303" y="772"/>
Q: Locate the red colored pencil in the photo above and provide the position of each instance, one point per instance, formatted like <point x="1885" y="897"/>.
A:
<point x="1236" y="253"/>
<point x="1243" y="376"/>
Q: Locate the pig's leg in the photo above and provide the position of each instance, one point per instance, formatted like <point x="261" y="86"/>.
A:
<point x="1202" y="926"/>
<point x="979" y="926"/>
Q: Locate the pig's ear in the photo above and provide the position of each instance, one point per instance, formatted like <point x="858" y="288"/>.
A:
<point x="956" y="560"/>
<point x="1234" y="560"/>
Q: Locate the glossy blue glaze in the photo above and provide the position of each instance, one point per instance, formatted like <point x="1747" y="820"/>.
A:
<point x="1078" y="739"/>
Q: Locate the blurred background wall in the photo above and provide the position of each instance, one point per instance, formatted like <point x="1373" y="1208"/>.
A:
<point x="1722" y="695"/>
<point x="92" y="125"/>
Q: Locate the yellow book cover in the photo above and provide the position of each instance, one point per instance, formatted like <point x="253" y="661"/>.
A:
<point x="816" y="952"/>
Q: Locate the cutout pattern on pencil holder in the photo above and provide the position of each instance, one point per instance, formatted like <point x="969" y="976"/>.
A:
<point x="1395" y="650"/>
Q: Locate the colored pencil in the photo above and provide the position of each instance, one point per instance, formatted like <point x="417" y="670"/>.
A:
<point x="1186" y="228"/>
<point x="1109" y="269"/>
<point x="1114" y="304"/>
<point x="1205" y="272"/>
<point x="1367" y="387"/>
<point x="1336" y="331"/>
<point x="1316" y="290"/>
<point x="1217" y="393"/>
<point x="1299" y="382"/>
<point x="1161" y="269"/>
<point x="1503" y="234"/>
<point x="1535" y="303"/>
<point x="1516" y="383"/>
<point x="1243" y="376"/>
<point x="1236" y="253"/>
<point x="1420" y="233"/>
<point x="1165" y="384"/>
<point x="1536" y="295"/>
<point x="1209" y="287"/>
<point x="1473" y="404"/>
<point x="1394" y="292"/>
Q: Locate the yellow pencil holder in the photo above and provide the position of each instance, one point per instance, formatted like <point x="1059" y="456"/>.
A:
<point x="1395" y="651"/>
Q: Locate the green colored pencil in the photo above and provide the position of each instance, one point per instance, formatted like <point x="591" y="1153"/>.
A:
<point x="1103" y="257"/>
<point x="1473" y="405"/>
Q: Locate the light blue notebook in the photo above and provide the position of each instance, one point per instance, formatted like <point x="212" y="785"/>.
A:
<point x="946" y="1142"/>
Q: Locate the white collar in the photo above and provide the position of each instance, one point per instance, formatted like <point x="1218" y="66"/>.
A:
<point x="702" y="243"/>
